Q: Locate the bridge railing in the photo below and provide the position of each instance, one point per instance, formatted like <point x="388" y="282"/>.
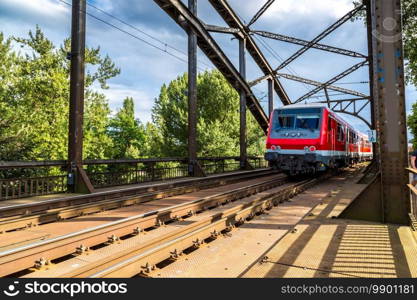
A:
<point x="413" y="201"/>
<point x="25" y="179"/>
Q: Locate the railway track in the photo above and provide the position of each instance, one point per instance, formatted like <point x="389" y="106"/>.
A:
<point x="41" y="253"/>
<point x="142" y="260"/>
<point x="30" y="215"/>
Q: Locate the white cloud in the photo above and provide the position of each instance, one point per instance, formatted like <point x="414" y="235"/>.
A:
<point x="296" y="8"/>
<point x="143" y="100"/>
<point x="46" y="8"/>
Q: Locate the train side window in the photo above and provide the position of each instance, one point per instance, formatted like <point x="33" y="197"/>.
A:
<point x="340" y="133"/>
<point x="329" y="123"/>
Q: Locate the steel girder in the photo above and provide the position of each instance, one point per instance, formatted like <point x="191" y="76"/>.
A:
<point x="331" y="81"/>
<point x="188" y="21"/>
<point x="349" y="106"/>
<point x="220" y="29"/>
<point x="321" y="36"/>
<point x="297" y="41"/>
<point x="233" y="21"/>
<point x="260" y="12"/>
<point x="317" y="83"/>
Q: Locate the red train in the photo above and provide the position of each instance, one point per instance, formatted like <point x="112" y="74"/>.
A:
<point x="308" y="138"/>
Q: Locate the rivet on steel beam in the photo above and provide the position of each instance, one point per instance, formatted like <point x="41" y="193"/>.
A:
<point x="148" y="268"/>
<point x="41" y="263"/>
<point x="229" y="228"/>
<point x="81" y="249"/>
<point x="112" y="239"/>
<point x="175" y="254"/>
<point x="294" y="230"/>
<point x="197" y="243"/>
<point x="264" y="260"/>
<point x="214" y="234"/>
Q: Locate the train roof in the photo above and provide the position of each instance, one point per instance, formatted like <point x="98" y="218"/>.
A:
<point x="302" y="105"/>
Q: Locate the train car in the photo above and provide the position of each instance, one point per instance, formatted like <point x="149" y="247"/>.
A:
<point x="308" y="138"/>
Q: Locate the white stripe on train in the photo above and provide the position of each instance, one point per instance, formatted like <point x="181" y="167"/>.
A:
<point x="320" y="152"/>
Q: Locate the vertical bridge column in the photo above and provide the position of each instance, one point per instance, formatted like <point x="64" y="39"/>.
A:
<point x="242" y="107"/>
<point x="390" y="97"/>
<point x="77" y="178"/>
<point x="386" y="198"/>
<point x="194" y="168"/>
<point x="270" y="97"/>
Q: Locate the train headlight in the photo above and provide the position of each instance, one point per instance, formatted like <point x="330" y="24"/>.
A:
<point x="299" y="134"/>
<point x="312" y="148"/>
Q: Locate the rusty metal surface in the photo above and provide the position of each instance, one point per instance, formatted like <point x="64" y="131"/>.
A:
<point x="92" y="236"/>
<point x="321" y="246"/>
<point x="11" y="208"/>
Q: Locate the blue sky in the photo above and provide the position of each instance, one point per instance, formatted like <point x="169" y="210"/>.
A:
<point x="145" y="69"/>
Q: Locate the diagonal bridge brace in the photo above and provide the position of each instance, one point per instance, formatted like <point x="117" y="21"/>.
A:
<point x="331" y="81"/>
<point x="297" y="41"/>
<point x="317" y="83"/>
<point x="188" y="21"/>
<point x="321" y="36"/>
<point x="232" y="20"/>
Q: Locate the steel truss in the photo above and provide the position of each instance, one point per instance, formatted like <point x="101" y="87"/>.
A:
<point x="189" y="21"/>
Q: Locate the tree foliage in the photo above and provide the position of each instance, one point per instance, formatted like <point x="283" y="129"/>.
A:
<point x="34" y="104"/>
<point x="34" y="93"/>
<point x="218" y="118"/>
<point x="127" y="133"/>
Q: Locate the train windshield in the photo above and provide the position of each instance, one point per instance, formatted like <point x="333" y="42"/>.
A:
<point x="305" y="120"/>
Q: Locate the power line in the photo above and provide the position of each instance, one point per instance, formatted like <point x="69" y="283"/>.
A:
<point x="142" y="31"/>
<point x="132" y="35"/>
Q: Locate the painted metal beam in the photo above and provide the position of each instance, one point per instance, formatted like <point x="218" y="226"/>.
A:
<point x="260" y="12"/>
<point x="233" y="21"/>
<point x="321" y="36"/>
<point x="187" y="20"/>
<point x="221" y="29"/>
<point x="242" y="107"/>
<point x="318" y="83"/>
<point x="77" y="178"/>
<point x="331" y="81"/>
<point x="297" y="41"/>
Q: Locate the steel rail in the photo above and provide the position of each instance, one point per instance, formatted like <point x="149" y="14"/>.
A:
<point x="36" y="207"/>
<point x="57" y="214"/>
<point x="21" y="258"/>
<point x="119" y="256"/>
<point x="143" y="260"/>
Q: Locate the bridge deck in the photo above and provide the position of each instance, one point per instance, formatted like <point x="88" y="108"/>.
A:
<point x="155" y="184"/>
<point x="302" y="238"/>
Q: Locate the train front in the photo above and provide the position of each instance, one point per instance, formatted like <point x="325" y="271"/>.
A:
<point x="295" y="139"/>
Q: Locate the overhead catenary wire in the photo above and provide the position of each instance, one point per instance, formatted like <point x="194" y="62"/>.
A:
<point x="133" y="36"/>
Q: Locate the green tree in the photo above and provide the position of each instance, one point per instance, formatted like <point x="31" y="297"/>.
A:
<point x="218" y="118"/>
<point x="34" y="93"/>
<point x="126" y="132"/>
<point x="409" y="18"/>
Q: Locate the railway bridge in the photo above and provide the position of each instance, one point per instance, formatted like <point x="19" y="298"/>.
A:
<point x="225" y="216"/>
